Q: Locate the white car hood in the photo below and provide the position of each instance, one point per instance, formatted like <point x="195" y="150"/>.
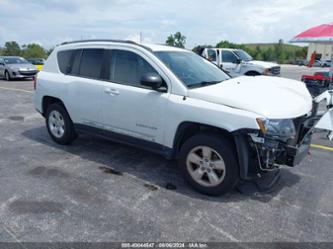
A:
<point x="271" y="97"/>
<point x="263" y="64"/>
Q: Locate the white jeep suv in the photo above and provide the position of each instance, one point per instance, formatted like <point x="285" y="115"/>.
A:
<point x="173" y="102"/>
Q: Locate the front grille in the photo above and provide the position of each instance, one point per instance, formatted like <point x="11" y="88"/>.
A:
<point x="276" y="70"/>
<point x="28" y="73"/>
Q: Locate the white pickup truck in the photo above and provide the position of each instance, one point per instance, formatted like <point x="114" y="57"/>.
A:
<point x="237" y="62"/>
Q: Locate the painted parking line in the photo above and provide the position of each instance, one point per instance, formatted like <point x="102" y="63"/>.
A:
<point x="15" y="89"/>
<point x="318" y="146"/>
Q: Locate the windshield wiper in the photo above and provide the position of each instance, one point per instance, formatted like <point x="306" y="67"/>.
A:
<point x="205" y="83"/>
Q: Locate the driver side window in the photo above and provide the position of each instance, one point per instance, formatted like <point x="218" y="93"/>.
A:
<point x="228" y="56"/>
<point x="128" y="68"/>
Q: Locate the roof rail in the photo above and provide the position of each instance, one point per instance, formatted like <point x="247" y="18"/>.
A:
<point x="99" y="40"/>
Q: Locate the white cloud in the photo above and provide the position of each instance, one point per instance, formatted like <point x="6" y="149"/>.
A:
<point x="139" y="38"/>
<point x="202" y="22"/>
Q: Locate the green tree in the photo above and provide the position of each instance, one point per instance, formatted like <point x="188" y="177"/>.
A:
<point x="198" y="49"/>
<point x="268" y="54"/>
<point x="12" y="48"/>
<point x="257" y="53"/>
<point x="176" y="40"/>
<point x="301" y="53"/>
<point x="33" y="50"/>
<point x="227" y="44"/>
<point x="49" y="51"/>
<point x="279" y="52"/>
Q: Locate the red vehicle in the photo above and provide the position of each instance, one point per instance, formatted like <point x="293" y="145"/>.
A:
<point x="317" y="83"/>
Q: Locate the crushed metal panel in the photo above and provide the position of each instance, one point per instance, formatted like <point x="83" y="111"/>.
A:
<point x="327" y="95"/>
<point x="326" y="121"/>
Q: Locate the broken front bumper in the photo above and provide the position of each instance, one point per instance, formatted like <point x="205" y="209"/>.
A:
<point x="258" y="154"/>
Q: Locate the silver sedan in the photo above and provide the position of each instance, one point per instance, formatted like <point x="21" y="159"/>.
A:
<point x="15" y="67"/>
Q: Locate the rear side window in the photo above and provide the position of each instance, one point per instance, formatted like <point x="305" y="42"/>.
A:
<point x="91" y="63"/>
<point x="64" y="58"/>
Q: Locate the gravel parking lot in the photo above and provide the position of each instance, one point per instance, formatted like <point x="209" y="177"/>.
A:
<point x="96" y="190"/>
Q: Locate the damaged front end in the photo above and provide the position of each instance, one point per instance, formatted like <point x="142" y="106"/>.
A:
<point x="282" y="142"/>
<point x="273" y="149"/>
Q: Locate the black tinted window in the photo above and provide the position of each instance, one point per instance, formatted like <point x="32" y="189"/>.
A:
<point x="91" y="63"/>
<point x="128" y="67"/>
<point x="75" y="62"/>
<point x="228" y="56"/>
<point x="64" y="58"/>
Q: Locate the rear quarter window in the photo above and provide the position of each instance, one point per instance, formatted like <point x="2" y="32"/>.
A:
<point x="64" y="58"/>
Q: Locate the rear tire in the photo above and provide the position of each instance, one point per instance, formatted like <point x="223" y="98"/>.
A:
<point x="59" y="124"/>
<point x="209" y="164"/>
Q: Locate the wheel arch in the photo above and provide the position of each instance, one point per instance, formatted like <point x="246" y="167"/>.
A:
<point x="237" y="138"/>
<point x="252" y="73"/>
<point x="187" y="129"/>
<point x="48" y="100"/>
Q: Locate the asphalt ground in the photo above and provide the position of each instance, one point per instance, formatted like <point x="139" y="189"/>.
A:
<point x="96" y="190"/>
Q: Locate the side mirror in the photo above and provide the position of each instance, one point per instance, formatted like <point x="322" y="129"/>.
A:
<point x="2" y="64"/>
<point x="238" y="61"/>
<point x="152" y="80"/>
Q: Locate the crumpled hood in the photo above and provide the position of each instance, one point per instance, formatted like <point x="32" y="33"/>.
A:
<point x="263" y="64"/>
<point x="271" y="97"/>
<point x="26" y="66"/>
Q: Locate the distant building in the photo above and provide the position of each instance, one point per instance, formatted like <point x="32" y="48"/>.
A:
<point x="323" y="51"/>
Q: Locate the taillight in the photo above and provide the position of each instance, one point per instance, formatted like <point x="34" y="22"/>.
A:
<point x="35" y="81"/>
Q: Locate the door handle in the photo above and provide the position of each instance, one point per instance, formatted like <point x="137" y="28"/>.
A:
<point x="111" y="91"/>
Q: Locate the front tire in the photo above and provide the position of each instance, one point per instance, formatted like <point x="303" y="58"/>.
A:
<point x="59" y="124"/>
<point x="209" y="164"/>
<point x="7" y="76"/>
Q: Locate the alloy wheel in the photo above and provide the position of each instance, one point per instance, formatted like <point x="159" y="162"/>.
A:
<point x="206" y="166"/>
<point x="56" y="124"/>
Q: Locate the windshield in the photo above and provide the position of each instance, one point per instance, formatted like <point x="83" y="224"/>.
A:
<point x="36" y="61"/>
<point x="192" y="69"/>
<point x="15" y="60"/>
<point x="243" y="55"/>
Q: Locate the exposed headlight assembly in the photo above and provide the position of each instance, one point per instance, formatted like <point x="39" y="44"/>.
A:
<point x="282" y="129"/>
<point x="267" y="71"/>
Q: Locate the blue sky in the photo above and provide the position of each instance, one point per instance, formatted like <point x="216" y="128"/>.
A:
<point x="203" y="22"/>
